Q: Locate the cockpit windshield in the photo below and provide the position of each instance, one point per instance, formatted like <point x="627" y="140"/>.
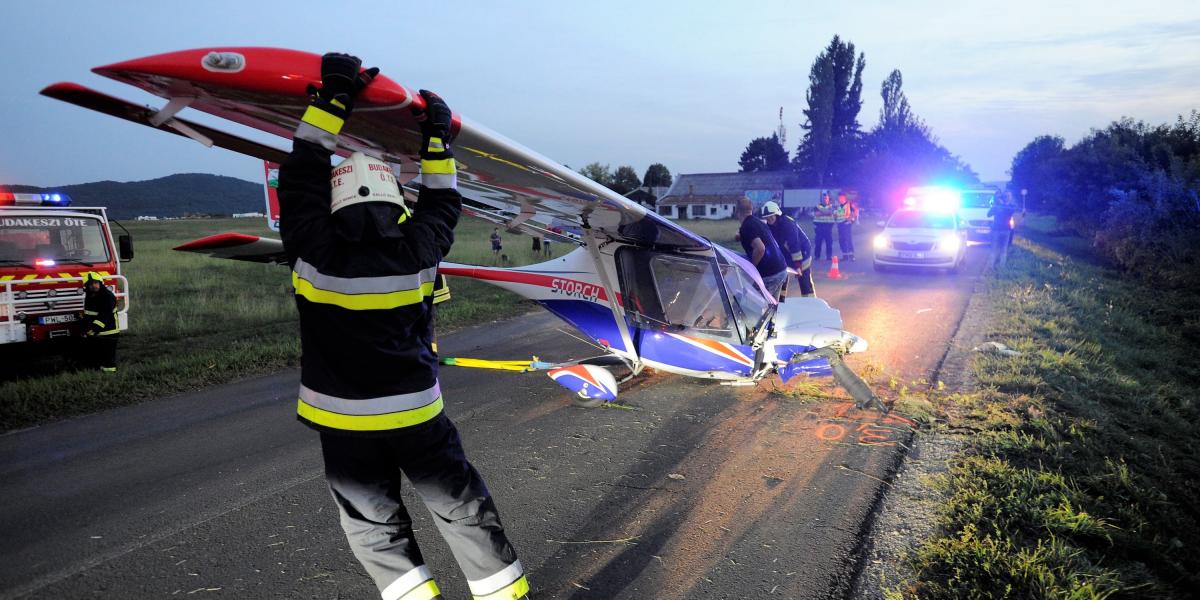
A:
<point x="745" y="294"/>
<point x="675" y="292"/>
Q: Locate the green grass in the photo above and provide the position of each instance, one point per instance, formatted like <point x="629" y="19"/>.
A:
<point x="197" y="321"/>
<point x="1080" y="477"/>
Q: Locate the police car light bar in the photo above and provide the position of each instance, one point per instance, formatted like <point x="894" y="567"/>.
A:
<point x="10" y="199"/>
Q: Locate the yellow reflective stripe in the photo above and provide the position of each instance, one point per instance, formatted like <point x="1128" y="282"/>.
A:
<point x="90" y="312"/>
<point x="425" y="591"/>
<point x="323" y="120"/>
<point x="513" y="591"/>
<point x="435" y="145"/>
<point x="109" y="332"/>
<point x="98" y="322"/>
<point x="338" y="103"/>
<point x="396" y="420"/>
<point x="444" y="166"/>
<point x="377" y="301"/>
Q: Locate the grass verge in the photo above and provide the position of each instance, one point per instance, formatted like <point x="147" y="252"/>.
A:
<point x="1079" y="478"/>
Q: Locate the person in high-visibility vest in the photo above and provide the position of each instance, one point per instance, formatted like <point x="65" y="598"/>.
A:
<point x="100" y="327"/>
<point x="823" y="220"/>
<point x="845" y="214"/>
<point x="364" y="270"/>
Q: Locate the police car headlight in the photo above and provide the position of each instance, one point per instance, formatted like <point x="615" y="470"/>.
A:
<point x="949" y="242"/>
<point x="881" y="242"/>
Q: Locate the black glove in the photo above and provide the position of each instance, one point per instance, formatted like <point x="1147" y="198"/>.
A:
<point x="341" y="82"/>
<point x="435" y="123"/>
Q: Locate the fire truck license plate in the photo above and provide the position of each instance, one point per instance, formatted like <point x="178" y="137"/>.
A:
<point x="52" y="319"/>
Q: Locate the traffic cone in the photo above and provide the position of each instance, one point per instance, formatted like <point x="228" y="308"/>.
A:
<point x="834" y="272"/>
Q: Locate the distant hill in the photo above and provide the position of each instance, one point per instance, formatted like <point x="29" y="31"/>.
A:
<point x="171" y="196"/>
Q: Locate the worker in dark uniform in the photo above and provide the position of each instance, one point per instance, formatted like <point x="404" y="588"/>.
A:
<point x="363" y="270"/>
<point x="794" y="244"/>
<point x="845" y="215"/>
<point x="763" y="252"/>
<point x="1001" y="212"/>
<point x="823" y="220"/>
<point x="99" y="325"/>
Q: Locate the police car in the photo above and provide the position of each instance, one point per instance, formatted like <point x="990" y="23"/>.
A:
<point x="924" y="238"/>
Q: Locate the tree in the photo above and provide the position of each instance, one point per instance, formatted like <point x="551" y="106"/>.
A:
<point x="1033" y="169"/>
<point x="657" y="175"/>
<point x="598" y="173"/>
<point x="895" y="115"/>
<point x="901" y="152"/>
<point x="832" y="141"/>
<point x="764" y="154"/>
<point x="625" y="180"/>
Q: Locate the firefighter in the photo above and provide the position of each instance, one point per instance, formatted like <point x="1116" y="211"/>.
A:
<point x="763" y="252"/>
<point x="823" y="220"/>
<point x="845" y="214"/>
<point x="794" y="243"/>
<point x="99" y="325"/>
<point x="363" y="269"/>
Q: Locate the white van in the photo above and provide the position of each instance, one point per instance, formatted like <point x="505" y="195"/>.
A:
<point x="973" y="213"/>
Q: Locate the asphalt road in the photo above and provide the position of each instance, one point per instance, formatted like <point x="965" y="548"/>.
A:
<point x="701" y="491"/>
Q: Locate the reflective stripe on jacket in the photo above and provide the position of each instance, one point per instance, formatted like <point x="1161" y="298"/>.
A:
<point x="367" y="362"/>
<point x="823" y="214"/>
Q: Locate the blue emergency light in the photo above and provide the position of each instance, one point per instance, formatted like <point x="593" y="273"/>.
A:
<point x="934" y="198"/>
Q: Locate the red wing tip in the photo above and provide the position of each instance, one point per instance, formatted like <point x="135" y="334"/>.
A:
<point x="62" y="86"/>
<point x="220" y="240"/>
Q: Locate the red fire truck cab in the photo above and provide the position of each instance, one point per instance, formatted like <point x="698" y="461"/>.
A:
<point x="47" y="248"/>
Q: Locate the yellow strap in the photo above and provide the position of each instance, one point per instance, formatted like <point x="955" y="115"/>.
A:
<point x="396" y="420"/>
<point x="513" y="591"/>
<point x="323" y="120"/>
<point x="381" y="301"/>
<point x="444" y="166"/>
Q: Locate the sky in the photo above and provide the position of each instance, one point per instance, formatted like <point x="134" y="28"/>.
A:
<point x="687" y="84"/>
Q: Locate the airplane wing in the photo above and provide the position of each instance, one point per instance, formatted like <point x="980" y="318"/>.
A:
<point x="238" y="246"/>
<point x="266" y="88"/>
<point x="122" y="109"/>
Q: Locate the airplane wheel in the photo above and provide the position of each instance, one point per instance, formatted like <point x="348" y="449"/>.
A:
<point x="585" y="402"/>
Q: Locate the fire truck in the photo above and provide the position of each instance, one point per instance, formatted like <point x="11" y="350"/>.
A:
<point x="47" y="248"/>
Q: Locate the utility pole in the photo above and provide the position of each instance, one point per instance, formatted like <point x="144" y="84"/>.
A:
<point x="783" y="131"/>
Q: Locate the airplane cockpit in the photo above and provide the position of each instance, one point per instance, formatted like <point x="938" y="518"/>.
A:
<point x="691" y="294"/>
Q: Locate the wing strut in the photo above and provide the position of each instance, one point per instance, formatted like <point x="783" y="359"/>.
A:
<point x="593" y="247"/>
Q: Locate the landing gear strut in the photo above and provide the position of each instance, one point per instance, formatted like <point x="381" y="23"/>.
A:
<point x="849" y="380"/>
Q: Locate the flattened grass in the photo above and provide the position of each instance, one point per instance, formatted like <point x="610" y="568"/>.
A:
<point x="1080" y="478"/>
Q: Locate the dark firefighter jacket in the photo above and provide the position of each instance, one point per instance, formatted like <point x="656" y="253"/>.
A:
<point x="791" y="239"/>
<point x="100" y="312"/>
<point x="366" y="331"/>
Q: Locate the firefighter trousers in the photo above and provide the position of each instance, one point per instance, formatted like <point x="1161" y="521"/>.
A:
<point x="364" y="475"/>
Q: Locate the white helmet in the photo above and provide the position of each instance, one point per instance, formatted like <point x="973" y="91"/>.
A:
<point x="770" y="208"/>
<point x="361" y="178"/>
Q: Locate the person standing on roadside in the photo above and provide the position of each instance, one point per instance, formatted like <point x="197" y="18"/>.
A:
<point x="823" y="220"/>
<point x="1001" y="212"/>
<point x="845" y="214"/>
<point x="537" y="245"/>
<point x="793" y="243"/>
<point x="363" y="271"/>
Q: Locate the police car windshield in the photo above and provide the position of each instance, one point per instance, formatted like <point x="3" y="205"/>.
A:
<point x="26" y="239"/>
<point x="977" y="199"/>
<point x="915" y="219"/>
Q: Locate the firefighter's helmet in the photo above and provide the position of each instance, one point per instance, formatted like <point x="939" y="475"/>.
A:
<point x="361" y="178"/>
<point x="769" y="209"/>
